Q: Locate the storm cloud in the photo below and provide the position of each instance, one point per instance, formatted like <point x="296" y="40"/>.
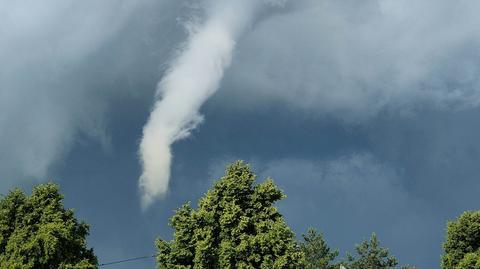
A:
<point x="44" y="103"/>
<point x="353" y="60"/>
<point x="350" y="61"/>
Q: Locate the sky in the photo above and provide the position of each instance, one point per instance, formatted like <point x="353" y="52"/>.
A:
<point x="364" y="113"/>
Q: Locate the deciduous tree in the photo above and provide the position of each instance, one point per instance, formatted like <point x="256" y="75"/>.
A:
<point x="462" y="244"/>
<point x="37" y="232"/>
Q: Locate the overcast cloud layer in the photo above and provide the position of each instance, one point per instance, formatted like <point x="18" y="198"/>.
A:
<point x="44" y="102"/>
<point x="351" y="59"/>
<point x="348" y="60"/>
<point x="339" y="100"/>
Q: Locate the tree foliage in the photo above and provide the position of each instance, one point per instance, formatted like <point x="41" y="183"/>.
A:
<point x="37" y="232"/>
<point x="462" y="244"/>
<point x="371" y="256"/>
<point x="317" y="254"/>
<point x="470" y="261"/>
<point x="235" y="226"/>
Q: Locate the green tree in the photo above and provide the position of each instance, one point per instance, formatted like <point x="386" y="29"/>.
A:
<point x="37" y="232"/>
<point x="462" y="243"/>
<point x="470" y="261"/>
<point x="317" y="254"/>
<point x="235" y="226"/>
<point x="371" y="256"/>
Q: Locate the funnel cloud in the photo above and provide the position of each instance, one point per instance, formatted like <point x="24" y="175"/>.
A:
<point x="192" y="78"/>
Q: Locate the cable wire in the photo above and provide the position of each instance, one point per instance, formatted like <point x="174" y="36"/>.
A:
<point x="128" y="260"/>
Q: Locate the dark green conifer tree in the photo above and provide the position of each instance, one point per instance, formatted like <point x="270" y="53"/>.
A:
<point x="235" y="225"/>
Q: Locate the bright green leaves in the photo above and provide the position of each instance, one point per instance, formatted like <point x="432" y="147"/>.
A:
<point x="38" y="232"/>
<point x="462" y="244"/>
<point x="234" y="226"/>
<point x="470" y="261"/>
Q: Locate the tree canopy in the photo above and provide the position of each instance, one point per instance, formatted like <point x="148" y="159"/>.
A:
<point x="235" y="226"/>
<point x="37" y="232"/>
<point x="462" y="244"/>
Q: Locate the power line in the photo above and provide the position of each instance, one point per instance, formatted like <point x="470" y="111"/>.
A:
<point x="129" y="260"/>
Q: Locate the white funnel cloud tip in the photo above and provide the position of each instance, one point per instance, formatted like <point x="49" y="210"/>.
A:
<point x="192" y="78"/>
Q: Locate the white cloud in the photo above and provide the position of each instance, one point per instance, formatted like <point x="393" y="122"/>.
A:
<point x="192" y="78"/>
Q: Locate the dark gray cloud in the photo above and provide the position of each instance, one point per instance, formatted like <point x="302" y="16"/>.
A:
<point x="352" y="60"/>
<point x="62" y="62"/>
<point x="342" y="59"/>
